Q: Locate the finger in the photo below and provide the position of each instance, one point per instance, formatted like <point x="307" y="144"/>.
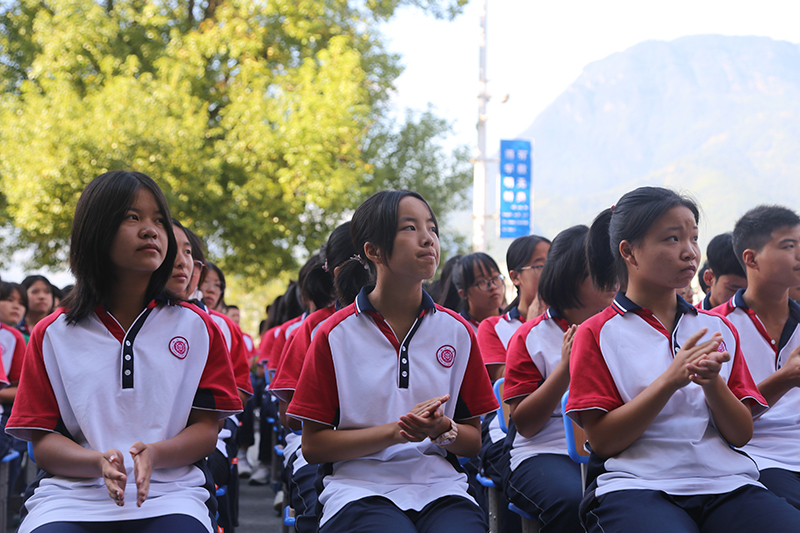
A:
<point x="693" y="338"/>
<point x="409" y="437"/>
<point x="143" y="485"/>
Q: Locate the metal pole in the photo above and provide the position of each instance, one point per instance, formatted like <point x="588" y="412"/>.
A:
<point x="479" y="179"/>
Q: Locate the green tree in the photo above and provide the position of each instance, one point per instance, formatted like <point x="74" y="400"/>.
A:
<point x="256" y="117"/>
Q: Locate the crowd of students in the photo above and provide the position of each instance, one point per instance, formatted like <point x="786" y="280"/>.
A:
<point x="138" y="390"/>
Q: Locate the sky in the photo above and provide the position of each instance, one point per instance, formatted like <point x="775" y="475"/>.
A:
<point x="537" y="49"/>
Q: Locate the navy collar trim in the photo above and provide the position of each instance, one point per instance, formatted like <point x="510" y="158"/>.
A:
<point x="622" y="305"/>
<point x="737" y="300"/>
<point x="363" y="304"/>
<point x="552" y="312"/>
<point x="512" y="314"/>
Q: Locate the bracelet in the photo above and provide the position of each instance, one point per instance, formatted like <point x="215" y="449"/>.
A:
<point x="448" y="437"/>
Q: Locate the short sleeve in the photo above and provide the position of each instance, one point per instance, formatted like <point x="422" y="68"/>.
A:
<point x="35" y="405"/>
<point x="291" y="363"/>
<point x="476" y="397"/>
<point x="217" y="388"/>
<point x="492" y="349"/>
<point x="591" y="384"/>
<point x="17" y="361"/>
<point x="522" y="375"/>
<point x="316" y="396"/>
<point x="740" y="382"/>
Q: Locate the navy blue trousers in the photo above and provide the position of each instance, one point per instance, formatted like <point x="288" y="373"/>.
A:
<point x="451" y="514"/>
<point x="748" y="509"/>
<point x="547" y="486"/>
<point x="161" y="524"/>
<point x="783" y="483"/>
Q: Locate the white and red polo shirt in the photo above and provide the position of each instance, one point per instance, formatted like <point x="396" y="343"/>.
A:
<point x="291" y="361"/>
<point x="12" y="354"/>
<point x="279" y="343"/>
<point x="106" y="388"/>
<point x="357" y="374"/>
<point x="495" y="332"/>
<point x="776" y="433"/>
<point x="533" y="353"/>
<point x="240" y="357"/>
<point x="618" y="353"/>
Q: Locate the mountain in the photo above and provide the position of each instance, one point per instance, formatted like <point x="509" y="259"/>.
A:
<point x="712" y="116"/>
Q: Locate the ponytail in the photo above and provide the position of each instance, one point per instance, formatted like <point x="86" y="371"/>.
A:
<point x="600" y="255"/>
<point x="351" y="278"/>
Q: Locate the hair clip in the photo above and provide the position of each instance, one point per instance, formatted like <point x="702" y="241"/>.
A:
<point x="612" y="209"/>
<point x="325" y="266"/>
<point x="358" y="258"/>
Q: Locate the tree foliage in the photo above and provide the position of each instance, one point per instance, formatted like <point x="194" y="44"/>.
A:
<point x="260" y="119"/>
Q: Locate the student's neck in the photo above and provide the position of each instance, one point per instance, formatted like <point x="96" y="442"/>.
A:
<point x="398" y="303"/>
<point x="481" y="314"/>
<point x="577" y="315"/>
<point x="770" y="303"/>
<point x="31" y="319"/>
<point x="128" y="299"/>
<point x="662" y="302"/>
<point x="525" y="303"/>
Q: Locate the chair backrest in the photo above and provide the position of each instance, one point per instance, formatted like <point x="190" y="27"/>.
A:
<point x="504" y="412"/>
<point x="576" y="437"/>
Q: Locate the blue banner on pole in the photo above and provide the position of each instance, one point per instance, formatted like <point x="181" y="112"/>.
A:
<point x="515" y="189"/>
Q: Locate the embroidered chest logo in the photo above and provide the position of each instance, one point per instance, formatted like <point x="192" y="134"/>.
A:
<point x="722" y="347"/>
<point x="446" y="355"/>
<point x="179" y="347"/>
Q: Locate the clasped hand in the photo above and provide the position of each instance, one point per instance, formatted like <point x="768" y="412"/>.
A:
<point x="698" y="363"/>
<point x="115" y="477"/>
<point x="425" y="420"/>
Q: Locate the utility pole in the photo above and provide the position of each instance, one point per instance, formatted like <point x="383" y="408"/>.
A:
<point x="479" y="179"/>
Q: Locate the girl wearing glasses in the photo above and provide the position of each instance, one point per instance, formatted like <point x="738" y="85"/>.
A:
<point x="480" y="286"/>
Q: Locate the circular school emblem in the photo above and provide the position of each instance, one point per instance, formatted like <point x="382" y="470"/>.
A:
<point x="179" y="347"/>
<point x="446" y="355"/>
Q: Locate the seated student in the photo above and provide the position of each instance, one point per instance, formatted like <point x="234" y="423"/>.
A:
<point x="662" y="388"/>
<point x="13" y="301"/>
<point x="40" y="302"/>
<point x="724" y="275"/>
<point x="767" y="242"/>
<point x="123" y="370"/>
<point x="392" y="388"/>
<point x="480" y="287"/>
<point x="541" y="479"/>
<point x="525" y="259"/>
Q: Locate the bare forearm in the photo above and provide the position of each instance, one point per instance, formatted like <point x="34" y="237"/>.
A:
<point x="196" y="441"/>
<point x="732" y="418"/>
<point x="468" y="441"/>
<point x="8" y="394"/>
<point x="60" y="456"/>
<point x="531" y="413"/>
<point x="611" y="433"/>
<point x="323" y="444"/>
<point x="774" y="387"/>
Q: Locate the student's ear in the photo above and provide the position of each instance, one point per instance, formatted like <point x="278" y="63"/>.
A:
<point x="373" y="253"/>
<point x="462" y="294"/>
<point x="626" y="251"/>
<point x="708" y="277"/>
<point x="749" y="258"/>
<point x="514" y="276"/>
<point x="336" y="271"/>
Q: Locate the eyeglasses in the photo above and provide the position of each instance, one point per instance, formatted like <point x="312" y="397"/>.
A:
<point x="487" y="284"/>
<point x="536" y="268"/>
<point x="199" y="264"/>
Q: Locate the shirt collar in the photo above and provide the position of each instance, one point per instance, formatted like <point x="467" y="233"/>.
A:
<point x="623" y="305"/>
<point x="513" y="313"/>
<point x="552" y="312"/>
<point x="363" y="304"/>
<point x="737" y="300"/>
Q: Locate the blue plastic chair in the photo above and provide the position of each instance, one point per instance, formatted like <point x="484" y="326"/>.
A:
<point x="501" y="413"/>
<point x="572" y="448"/>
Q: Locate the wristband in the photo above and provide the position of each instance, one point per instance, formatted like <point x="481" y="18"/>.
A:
<point x="448" y="437"/>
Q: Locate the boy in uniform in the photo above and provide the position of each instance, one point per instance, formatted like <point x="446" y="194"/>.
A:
<point x="724" y="275"/>
<point x="766" y="241"/>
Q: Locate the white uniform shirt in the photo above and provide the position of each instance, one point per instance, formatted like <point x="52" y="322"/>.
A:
<point x="776" y="433"/>
<point x="618" y="353"/>
<point x="357" y="374"/>
<point x="106" y="388"/>
<point x="533" y="353"/>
